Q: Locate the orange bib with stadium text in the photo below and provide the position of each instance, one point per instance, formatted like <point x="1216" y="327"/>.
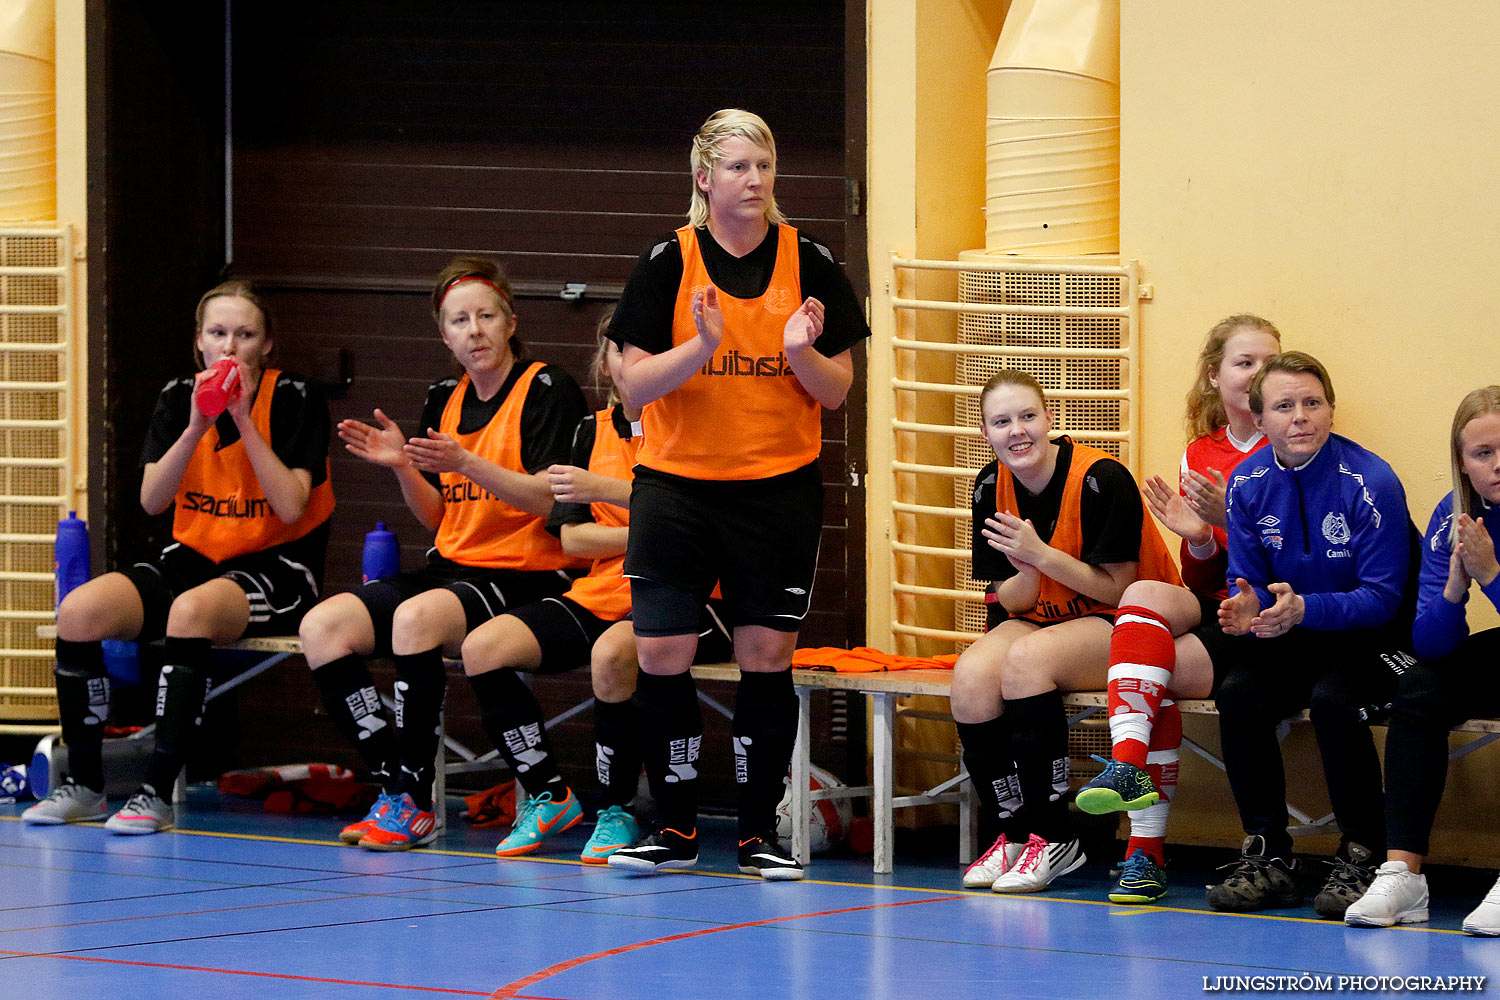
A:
<point x="478" y="528"/>
<point x="743" y="415"/>
<point x="605" y="593"/>
<point x="1055" y="602"/>
<point x="222" y="511"/>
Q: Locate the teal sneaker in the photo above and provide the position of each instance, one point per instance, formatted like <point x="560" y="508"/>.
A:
<point x="539" y="818"/>
<point x="615" y="828"/>
<point x="1119" y="786"/>
<point x="1141" y="880"/>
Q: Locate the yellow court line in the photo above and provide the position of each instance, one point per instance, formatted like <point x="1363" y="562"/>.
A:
<point x="1122" y="911"/>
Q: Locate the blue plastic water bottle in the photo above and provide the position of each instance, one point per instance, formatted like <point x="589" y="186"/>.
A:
<point x="70" y="557"/>
<point x="382" y="556"/>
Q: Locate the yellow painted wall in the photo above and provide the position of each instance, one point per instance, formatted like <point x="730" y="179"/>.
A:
<point x="926" y="155"/>
<point x="1329" y="166"/>
<point x="1334" y="173"/>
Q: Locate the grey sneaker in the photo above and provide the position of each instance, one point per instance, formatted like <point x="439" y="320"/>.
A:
<point x="1349" y="879"/>
<point x="1397" y="896"/>
<point x="144" y="812"/>
<point x="69" y="802"/>
<point x="1256" y="882"/>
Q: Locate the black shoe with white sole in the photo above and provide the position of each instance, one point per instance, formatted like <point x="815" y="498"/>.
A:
<point x="759" y="856"/>
<point x="666" y="848"/>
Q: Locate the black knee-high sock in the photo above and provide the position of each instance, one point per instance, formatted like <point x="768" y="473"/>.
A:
<point x="992" y="770"/>
<point x="181" y="696"/>
<point x="513" y="720"/>
<point x="421" y="683"/>
<point x="669" y="725"/>
<point x="83" y="705"/>
<point x="617" y="755"/>
<point x="354" y="706"/>
<point x="1039" y="740"/>
<point x="765" y="730"/>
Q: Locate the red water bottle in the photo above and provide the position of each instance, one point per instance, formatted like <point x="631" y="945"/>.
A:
<point x="212" y="397"/>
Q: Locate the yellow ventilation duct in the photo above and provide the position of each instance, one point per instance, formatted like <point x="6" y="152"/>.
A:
<point x="28" y="122"/>
<point x="1052" y="136"/>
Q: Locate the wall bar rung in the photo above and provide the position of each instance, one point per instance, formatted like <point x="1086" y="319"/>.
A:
<point x="1011" y="351"/>
<point x="1006" y="309"/>
<point x="1009" y="265"/>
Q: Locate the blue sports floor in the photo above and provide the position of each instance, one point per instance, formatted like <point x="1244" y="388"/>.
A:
<point x="239" y="903"/>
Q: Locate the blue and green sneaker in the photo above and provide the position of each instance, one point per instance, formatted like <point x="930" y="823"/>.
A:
<point x="1141" y="880"/>
<point x="1119" y="786"/>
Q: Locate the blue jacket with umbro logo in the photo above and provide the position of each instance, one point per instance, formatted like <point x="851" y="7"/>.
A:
<point x="1336" y="528"/>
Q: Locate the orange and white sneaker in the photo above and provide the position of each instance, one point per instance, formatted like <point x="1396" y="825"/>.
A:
<point x="355" y="832"/>
<point x="403" y="827"/>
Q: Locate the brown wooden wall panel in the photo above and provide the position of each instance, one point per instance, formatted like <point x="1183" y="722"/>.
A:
<point x="554" y="137"/>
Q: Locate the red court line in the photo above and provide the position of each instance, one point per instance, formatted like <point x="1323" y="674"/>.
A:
<point x="512" y="991"/>
<point x="242" y="972"/>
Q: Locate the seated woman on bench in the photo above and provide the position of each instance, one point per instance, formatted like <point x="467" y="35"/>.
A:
<point x="1455" y="679"/>
<point x="477" y="476"/>
<point x="1061" y="528"/>
<point x="1146" y="673"/>
<point x="587" y="625"/>
<point x="252" y="497"/>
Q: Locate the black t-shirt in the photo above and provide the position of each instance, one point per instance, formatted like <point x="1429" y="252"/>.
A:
<point x="1110" y="514"/>
<point x="552" y="410"/>
<point x="300" y="425"/>
<point x="583" y="451"/>
<point x="647" y="306"/>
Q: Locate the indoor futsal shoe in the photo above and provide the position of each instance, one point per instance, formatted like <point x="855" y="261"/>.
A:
<point x="69" y="802"/>
<point x="1141" y="880"/>
<point x="539" y="818"/>
<point x="143" y="812"/>
<point x="354" y="832"/>
<point x="1040" y="862"/>
<point x="1119" y="787"/>
<point x="666" y="848"/>
<point x="614" y="829"/>
<point x="1397" y="896"/>
<point x="992" y="863"/>
<point x="764" y="856"/>
<point x="403" y="827"/>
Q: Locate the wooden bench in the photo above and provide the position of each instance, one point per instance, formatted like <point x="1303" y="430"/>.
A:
<point x="882" y="688"/>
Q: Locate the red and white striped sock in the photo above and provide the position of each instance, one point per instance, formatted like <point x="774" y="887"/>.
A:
<point x="1148" y="827"/>
<point x="1141" y="658"/>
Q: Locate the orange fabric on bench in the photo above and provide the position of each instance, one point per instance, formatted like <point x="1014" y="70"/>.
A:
<point x="865" y="660"/>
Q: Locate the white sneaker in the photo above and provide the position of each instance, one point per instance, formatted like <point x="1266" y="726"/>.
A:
<point x="144" y="812"/>
<point x="69" y="802"/>
<point x="1397" y="896"/>
<point x="1040" y="862"/>
<point x="1485" y="920"/>
<point x="992" y="863"/>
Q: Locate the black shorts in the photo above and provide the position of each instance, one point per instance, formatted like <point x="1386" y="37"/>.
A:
<point x="757" y="539"/>
<point x="565" y="630"/>
<point x="280" y="591"/>
<point x="484" y="593"/>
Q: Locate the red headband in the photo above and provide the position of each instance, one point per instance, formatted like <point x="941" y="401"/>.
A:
<point x="504" y="294"/>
